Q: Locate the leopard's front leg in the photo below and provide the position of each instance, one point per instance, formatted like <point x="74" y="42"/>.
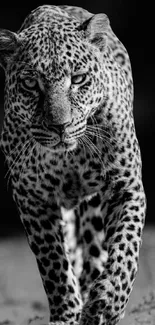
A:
<point x="44" y="228"/>
<point x="110" y="292"/>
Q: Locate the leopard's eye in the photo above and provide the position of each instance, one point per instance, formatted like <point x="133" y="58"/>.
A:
<point x="78" y="79"/>
<point x="29" y="83"/>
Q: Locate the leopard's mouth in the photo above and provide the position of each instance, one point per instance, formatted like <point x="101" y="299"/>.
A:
<point x="60" y="146"/>
<point x="54" y="140"/>
<point x="55" y="143"/>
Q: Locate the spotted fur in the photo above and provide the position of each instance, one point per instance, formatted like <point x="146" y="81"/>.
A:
<point x="73" y="159"/>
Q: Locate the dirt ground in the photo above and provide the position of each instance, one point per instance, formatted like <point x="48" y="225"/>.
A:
<point x="22" y="298"/>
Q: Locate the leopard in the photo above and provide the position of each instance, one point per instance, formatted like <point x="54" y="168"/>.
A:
<point x="74" y="161"/>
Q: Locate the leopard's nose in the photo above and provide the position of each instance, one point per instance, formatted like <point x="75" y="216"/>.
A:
<point x="58" y="128"/>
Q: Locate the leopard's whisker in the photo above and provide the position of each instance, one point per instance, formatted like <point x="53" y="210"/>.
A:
<point x="106" y="135"/>
<point x="14" y="163"/>
<point x="100" y="129"/>
<point x="13" y="151"/>
<point x="16" y="158"/>
<point x="89" y="145"/>
<point x="95" y="149"/>
<point x="96" y="134"/>
<point x="25" y="158"/>
<point x="105" y="140"/>
<point x="81" y="141"/>
<point x="86" y="142"/>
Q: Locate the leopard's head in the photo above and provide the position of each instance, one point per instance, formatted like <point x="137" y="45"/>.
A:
<point x="55" y="79"/>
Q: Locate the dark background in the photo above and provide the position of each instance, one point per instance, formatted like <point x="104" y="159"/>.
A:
<point x="133" y="23"/>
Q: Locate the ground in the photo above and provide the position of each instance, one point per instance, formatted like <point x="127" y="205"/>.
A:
<point x="22" y="298"/>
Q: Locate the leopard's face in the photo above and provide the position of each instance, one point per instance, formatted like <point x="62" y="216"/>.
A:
<point x="55" y="84"/>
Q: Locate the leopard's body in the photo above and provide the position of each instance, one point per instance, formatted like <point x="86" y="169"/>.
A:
<point x="74" y="160"/>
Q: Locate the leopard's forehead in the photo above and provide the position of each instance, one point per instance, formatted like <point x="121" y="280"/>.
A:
<point x="56" y="45"/>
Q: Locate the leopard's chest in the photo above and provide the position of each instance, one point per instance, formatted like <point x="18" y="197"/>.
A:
<point x="76" y="186"/>
<point x="68" y="185"/>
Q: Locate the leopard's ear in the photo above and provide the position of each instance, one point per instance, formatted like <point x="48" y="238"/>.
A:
<point x="95" y="29"/>
<point x="8" y="46"/>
